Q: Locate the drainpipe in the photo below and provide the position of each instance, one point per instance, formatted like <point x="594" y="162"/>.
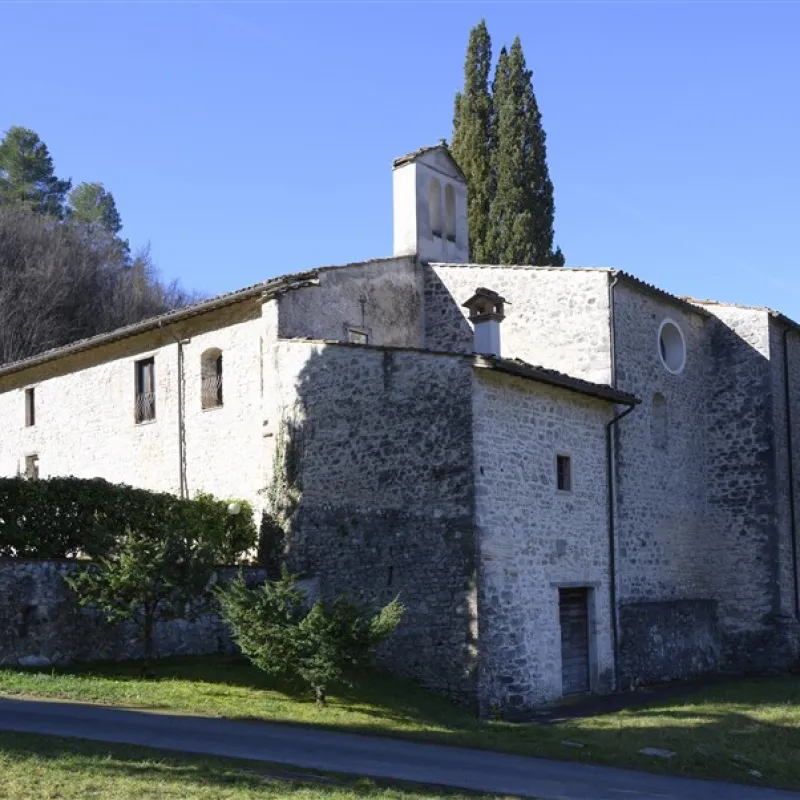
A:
<point x="181" y="423"/>
<point x="611" y="483"/>
<point x="792" y="509"/>
<point x="612" y="539"/>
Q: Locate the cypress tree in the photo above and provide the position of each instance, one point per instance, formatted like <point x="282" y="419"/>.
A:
<point x="539" y="194"/>
<point x="471" y="144"/>
<point x="499" y="142"/>
<point x="509" y="217"/>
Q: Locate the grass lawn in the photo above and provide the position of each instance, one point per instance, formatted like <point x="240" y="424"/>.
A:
<point x="49" y="767"/>
<point x="720" y="732"/>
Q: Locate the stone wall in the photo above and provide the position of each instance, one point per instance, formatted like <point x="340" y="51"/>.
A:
<point x="555" y="317"/>
<point x="783" y="486"/>
<point x="534" y="538"/>
<point x="42" y="623"/>
<point x="85" y="423"/>
<point x="667" y="550"/>
<point x="664" y="543"/>
<point x="384" y="470"/>
<point x="742" y="471"/>
<point x="670" y="640"/>
<point x="383" y="298"/>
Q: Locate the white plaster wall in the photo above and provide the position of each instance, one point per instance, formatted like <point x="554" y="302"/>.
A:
<point x="533" y="538"/>
<point x="404" y="202"/>
<point x="85" y="423"/>
<point x="436" y="166"/>
<point x="85" y="412"/>
<point x="411" y="201"/>
<point x="384" y="298"/>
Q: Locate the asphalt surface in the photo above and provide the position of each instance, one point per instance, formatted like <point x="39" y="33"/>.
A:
<point x="374" y="757"/>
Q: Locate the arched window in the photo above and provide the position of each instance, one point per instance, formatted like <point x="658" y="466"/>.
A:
<point x="435" y="206"/>
<point x="211" y="378"/>
<point x="659" y="422"/>
<point x="450" y="212"/>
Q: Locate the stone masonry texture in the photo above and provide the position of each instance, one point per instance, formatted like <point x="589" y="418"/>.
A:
<point x="419" y="474"/>
<point x="534" y="538"/>
<point x="555" y="318"/>
<point x="386" y="476"/>
<point x="660" y="491"/>
<point x="43" y="624"/>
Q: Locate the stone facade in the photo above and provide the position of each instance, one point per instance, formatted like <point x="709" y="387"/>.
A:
<point x="555" y="317"/>
<point x="414" y="469"/>
<point x="535" y="539"/>
<point x="385" y="475"/>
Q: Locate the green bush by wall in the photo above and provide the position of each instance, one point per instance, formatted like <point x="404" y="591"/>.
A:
<point x="59" y="518"/>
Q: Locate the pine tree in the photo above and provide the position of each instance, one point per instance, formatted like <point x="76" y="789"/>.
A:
<point x="91" y="204"/>
<point x="27" y="177"/>
<point x="471" y="137"/>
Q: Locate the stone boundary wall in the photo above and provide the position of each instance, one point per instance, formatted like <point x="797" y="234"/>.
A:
<point x="42" y="623"/>
<point x="668" y="640"/>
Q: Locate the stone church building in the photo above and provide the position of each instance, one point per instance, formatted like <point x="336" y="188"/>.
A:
<point x="575" y="481"/>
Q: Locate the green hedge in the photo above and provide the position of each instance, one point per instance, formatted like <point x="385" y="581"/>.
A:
<point x="70" y="517"/>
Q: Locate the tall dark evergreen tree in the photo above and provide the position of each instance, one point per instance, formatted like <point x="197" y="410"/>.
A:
<point x="27" y="177"/>
<point x="471" y="142"/>
<point x="513" y="203"/>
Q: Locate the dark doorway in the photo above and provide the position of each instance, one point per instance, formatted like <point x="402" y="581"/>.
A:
<point x="573" y="612"/>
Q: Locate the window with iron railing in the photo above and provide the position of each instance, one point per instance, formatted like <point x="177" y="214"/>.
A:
<point x="145" y="402"/>
<point x="211" y="379"/>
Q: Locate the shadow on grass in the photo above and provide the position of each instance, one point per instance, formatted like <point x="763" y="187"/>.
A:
<point x="374" y="694"/>
<point x="113" y="762"/>
<point x="722" y="730"/>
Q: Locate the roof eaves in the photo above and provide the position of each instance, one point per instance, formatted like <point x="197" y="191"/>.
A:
<point x="264" y="290"/>
<point x="408" y="158"/>
<point x="766" y="309"/>
<point x="552" y="377"/>
<point x="661" y="293"/>
<point x="784" y="319"/>
<point x="515" y="367"/>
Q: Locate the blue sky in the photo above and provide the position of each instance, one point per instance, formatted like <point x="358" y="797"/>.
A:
<point x="246" y="140"/>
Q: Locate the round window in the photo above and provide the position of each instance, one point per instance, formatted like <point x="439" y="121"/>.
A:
<point x="671" y="346"/>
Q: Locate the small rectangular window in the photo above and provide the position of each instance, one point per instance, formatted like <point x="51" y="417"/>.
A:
<point x="564" y="473"/>
<point x="32" y="467"/>
<point x="357" y="336"/>
<point x="145" y="404"/>
<point x="30" y="408"/>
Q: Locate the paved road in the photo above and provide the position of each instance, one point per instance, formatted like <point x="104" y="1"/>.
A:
<point x="361" y="755"/>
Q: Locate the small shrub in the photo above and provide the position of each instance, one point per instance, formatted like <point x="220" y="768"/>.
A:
<point x="147" y="578"/>
<point x="280" y="635"/>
